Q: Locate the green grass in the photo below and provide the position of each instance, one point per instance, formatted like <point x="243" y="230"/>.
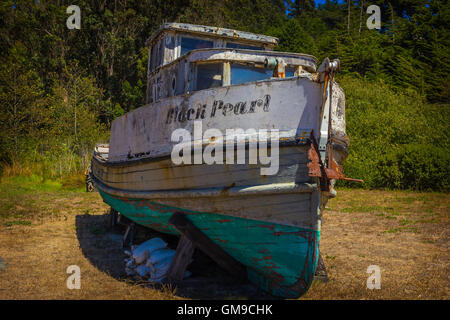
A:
<point x="393" y="230"/>
<point x="358" y="208"/>
<point x="24" y="197"/>
<point x="16" y="222"/>
<point x="36" y="183"/>
<point x="405" y="222"/>
<point x="30" y="183"/>
<point x="408" y="200"/>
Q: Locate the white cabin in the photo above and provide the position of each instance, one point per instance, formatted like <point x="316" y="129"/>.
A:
<point x="184" y="58"/>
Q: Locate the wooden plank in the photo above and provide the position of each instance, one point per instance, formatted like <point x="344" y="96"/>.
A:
<point x="291" y="209"/>
<point x="129" y="235"/>
<point x="198" y="176"/>
<point x="321" y="271"/>
<point x="214" y="251"/>
<point x="182" y="258"/>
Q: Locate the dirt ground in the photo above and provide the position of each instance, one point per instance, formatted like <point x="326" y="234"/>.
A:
<point x="42" y="232"/>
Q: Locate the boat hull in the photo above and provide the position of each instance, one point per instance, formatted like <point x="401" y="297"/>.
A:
<point x="270" y="223"/>
<point x="280" y="259"/>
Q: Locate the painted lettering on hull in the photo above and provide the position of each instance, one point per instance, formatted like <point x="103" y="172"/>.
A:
<point x="218" y="108"/>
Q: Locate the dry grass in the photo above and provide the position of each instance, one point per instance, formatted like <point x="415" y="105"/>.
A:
<point x="43" y="231"/>
<point x="405" y="233"/>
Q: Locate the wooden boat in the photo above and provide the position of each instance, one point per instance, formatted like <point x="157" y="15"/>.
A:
<point x="214" y="78"/>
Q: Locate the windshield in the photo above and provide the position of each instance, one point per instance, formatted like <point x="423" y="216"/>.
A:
<point x="209" y="75"/>
<point x="189" y="44"/>
<point x="241" y="73"/>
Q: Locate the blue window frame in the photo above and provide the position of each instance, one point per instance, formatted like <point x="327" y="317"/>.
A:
<point x="289" y="72"/>
<point x="209" y="75"/>
<point x="232" y="45"/>
<point x="189" y="44"/>
<point x="242" y="73"/>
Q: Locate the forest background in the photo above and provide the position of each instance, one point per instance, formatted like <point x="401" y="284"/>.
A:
<point x="60" y="89"/>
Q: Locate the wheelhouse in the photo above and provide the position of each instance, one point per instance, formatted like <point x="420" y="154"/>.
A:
<point x="184" y="58"/>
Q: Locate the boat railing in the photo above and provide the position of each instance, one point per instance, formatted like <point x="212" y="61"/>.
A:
<point x="240" y="55"/>
<point x="207" y="68"/>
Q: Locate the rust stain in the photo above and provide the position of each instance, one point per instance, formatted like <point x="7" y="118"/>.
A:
<point x="316" y="168"/>
<point x="271" y="227"/>
<point x="220" y="240"/>
<point x="223" y="220"/>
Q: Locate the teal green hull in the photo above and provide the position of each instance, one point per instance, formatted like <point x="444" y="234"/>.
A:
<point x="280" y="259"/>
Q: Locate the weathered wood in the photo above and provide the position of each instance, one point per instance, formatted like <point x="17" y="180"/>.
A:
<point x="164" y="175"/>
<point x="145" y="132"/>
<point x="321" y="272"/>
<point x="182" y="258"/>
<point x="113" y="217"/>
<point x="129" y="235"/>
<point x="214" y="251"/>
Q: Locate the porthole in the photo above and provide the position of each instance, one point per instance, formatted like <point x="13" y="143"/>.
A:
<point x="174" y="85"/>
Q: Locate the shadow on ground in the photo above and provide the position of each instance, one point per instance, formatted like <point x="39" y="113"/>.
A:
<point x="102" y="246"/>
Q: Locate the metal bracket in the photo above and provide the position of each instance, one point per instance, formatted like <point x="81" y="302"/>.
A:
<point x="323" y="138"/>
<point x="317" y="169"/>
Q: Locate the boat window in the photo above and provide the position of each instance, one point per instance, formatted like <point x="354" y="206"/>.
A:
<point x="161" y="52"/>
<point x="289" y="71"/>
<point x="153" y="58"/>
<point x="209" y="75"/>
<point x="189" y="44"/>
<point x="241" y="46"/>
<point x="157" y="55"/>
<point x="242" y="73"/>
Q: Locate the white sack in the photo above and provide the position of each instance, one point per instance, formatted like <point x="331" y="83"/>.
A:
<point x="142" y="270"/>
<point x="142" y="252"/>
<point x="160" y="278"/>
<point x="157" y="280"/>
<point x="161" y="268"/>
<point x="160" y="255"/>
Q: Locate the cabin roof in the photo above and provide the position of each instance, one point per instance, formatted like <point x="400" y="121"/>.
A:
<point x="213" y="31"/>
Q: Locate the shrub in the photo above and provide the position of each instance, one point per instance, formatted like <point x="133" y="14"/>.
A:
<point x="396" y="139"/>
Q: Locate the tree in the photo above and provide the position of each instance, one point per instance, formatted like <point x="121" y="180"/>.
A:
<point x="297" y="8"/>
<point x="22" y="103"/>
